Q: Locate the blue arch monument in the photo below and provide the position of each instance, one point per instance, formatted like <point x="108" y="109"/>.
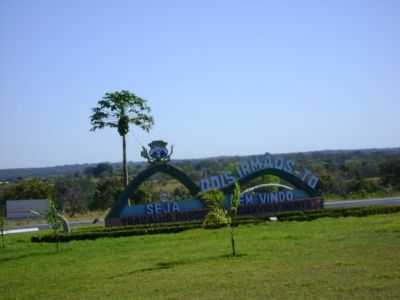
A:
<point x="303" y="195"/>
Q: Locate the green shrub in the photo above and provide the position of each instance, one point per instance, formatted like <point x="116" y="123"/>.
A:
<point x="212" y="199"/>
<point x="215" y="218"/>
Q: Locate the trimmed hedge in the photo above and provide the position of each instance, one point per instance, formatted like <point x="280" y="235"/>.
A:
<point x="337" y="213"/>
<point x="162" y="228"/>
<point x="138" y="226"/>
<point x="50" y="238"/>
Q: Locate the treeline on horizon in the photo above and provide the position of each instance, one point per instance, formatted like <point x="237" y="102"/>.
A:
<point x="339" y="156"/>
<point x="345" y="174"/>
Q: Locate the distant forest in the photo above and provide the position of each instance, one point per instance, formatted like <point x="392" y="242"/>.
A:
<point x="314" y="160"/>
<point x="344" y="174"/>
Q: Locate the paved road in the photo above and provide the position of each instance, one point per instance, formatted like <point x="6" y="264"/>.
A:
<point x="328" y="204"/>
<point x="28" y="228"/>
<point x="358" y="203"/>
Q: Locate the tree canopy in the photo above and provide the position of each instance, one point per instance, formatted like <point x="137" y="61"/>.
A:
<point x="118" y="110"/>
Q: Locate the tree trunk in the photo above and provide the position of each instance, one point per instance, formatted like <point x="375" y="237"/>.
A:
<point x="232" y="241"/>
<point x="124" y="164"/>
<point x="57" y="241"/>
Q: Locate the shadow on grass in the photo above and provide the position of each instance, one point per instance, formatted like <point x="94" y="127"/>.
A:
<point x="22" y="256"/>
<point x="48" y="252"/>
<point x="163" y="265"/>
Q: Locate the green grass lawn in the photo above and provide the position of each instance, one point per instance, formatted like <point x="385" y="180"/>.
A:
<point x="345" y="258"/>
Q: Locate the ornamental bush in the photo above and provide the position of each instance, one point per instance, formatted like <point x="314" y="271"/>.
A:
<point x="215" y="218"/>
<point x="212" y="199"/>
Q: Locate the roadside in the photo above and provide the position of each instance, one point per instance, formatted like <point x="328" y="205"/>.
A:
<point x="362" y="202"/>
<point x="79" y="220"/>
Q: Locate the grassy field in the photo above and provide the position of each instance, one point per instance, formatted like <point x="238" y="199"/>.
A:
<point x="346" y="258"/>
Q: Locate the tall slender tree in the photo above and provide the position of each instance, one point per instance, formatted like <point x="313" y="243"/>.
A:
<point x="118" y="110"/>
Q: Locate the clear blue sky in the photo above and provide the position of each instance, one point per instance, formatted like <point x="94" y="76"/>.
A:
<point x="222" y="77"/>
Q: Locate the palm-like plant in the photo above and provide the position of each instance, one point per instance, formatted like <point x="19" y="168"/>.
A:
<point x="219" y="215"/>
<point x="233" y="209"/>
<point x="2" y="225"/>
<point x="119" y="110"/>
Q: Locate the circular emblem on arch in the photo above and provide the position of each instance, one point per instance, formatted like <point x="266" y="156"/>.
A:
<point x="158" y="152"/>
